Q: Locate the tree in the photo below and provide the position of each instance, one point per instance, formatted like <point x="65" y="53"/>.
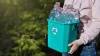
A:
<point x="24" y="26"/>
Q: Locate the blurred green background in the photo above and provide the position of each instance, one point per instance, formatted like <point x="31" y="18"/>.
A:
<point x="23" y="28"/>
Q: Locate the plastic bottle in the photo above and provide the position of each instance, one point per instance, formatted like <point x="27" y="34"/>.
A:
<point x="57" y="11"/>
<point x="77" y="15"/>
<point x="64" y="15"/>
<point x="58" y="14"/>
<point x="73" y="12"/>
<point x="53" y="12"/>
<point x="51" y="16"/>
<point x="57" y="5"/>
<point x="70" y="6"/>
<point x="70" y="15"/>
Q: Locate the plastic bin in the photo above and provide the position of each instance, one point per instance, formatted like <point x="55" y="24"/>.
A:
<point x="60" y="35"/>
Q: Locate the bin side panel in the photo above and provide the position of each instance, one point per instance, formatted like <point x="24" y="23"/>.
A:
<point x="72" y="34"/>
<point x="55" y="36"/>
<point x="66" y="37"/>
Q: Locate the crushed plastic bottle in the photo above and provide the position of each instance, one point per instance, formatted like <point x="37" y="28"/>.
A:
<point x="53" y="13"/>
<point x="76" y="15"/>
<point x="67" y="14"/>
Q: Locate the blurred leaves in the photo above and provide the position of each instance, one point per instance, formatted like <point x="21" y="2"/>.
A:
<point x="23" y="27"/>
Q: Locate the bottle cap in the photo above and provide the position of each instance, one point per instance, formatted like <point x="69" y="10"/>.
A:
<point x="70" y="6"/>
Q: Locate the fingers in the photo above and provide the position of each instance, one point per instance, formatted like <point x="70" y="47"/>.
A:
<point x="71" y="44"/>
<point x="73" y="49"/>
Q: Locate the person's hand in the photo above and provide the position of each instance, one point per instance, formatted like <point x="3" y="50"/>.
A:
<point x="74" y="46"/>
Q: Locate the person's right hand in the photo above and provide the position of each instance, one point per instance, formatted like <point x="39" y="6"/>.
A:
<point x="74" y="46"/>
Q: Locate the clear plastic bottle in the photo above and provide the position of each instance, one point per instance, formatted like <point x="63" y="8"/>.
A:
<point x="77" y="15"/>
<point x="53" y="13"/>
<point x="57" y="5"/>
<point x="70" y="6"/>
<point x="64" y="15"/>
<point x="73" y="12"/>
<point x="57" y="12"/>
<point x="51" y="16"/>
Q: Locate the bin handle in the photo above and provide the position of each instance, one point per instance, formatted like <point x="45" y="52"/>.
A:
<point x="74" y="27"/>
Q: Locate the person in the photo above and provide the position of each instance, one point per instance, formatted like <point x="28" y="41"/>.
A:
<point x="90" y="18"/>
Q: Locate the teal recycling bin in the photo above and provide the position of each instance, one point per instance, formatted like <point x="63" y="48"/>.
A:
<point x="60" y="35"/>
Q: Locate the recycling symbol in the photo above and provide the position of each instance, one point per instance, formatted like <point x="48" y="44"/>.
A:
<point x="54" y="30"/>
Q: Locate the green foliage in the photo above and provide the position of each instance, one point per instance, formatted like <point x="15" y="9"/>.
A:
<point x="27" y="46"/>
<point x="23" y="27"/>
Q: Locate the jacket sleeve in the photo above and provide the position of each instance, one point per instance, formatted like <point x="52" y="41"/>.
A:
<point x="94" y="29"/>
<point x="90" y="33"/>
<point x="68" y="2"/>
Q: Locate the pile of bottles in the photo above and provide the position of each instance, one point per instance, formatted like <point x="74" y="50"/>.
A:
<point x="67" y="14"/>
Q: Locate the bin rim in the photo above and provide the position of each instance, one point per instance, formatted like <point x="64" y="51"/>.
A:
<point x="63" y="23"/>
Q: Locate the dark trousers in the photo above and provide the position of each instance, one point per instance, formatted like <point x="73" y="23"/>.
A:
<point x="84" y="50"/>
<point x="78" y="51"/>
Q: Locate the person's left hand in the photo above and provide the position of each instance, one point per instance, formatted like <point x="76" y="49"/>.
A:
<point x="74" y="46"/>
